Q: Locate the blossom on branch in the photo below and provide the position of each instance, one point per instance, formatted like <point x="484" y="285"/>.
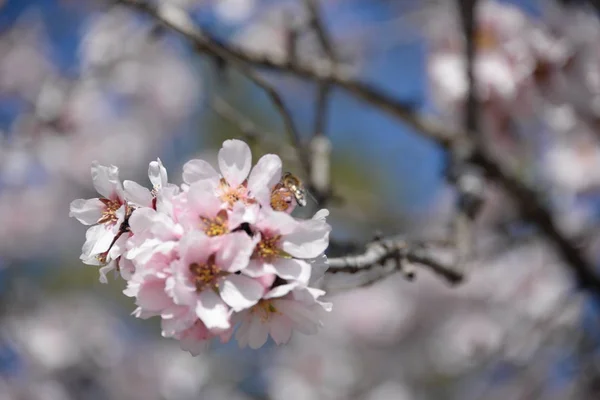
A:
<point x="212" y="254"/>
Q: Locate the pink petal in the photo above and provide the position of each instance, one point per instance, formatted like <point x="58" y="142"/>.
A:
<point x="202" y="199"/>
<point x="106" y="181"/>
<point x="309" y="240"/>
<point x="152" y="296"/>
<point x="240" y="292"/>
<point x="196" y="170"/>
<point x="242" y="213"/>
<point x="235" y="161"/>
<point x="292" y="269"/>
<point x="265" y="174"/>
<point x="195" y="247"/>
<point x="180" y="290"/>
<point x="212" y="310"/>
<point x="235" y="251"/>
<point x="88" y="212"/>
<point x="258" y="333"/>
<point x="276" y="221"/>
<point x="281" y="329"/>
<point x="280" y="291"/>
<point x="137" y="194"/>
<point x="305" y="319"/>
<point x="257" y="268"/>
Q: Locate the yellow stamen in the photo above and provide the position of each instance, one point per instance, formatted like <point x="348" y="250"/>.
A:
<point x="265" y="309"/>
<point x="206" y="275"/>
<point x="216" y="226"/>
<point x="109" y="214"/>
<point x="268" y="248"/>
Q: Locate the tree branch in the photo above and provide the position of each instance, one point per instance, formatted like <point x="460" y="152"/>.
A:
<point x="528" y="201"/>
<point x="397" y="249"/>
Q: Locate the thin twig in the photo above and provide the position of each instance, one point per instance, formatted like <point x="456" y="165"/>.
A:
<point x="529" y="202"/>
<point x="176" y="19"/>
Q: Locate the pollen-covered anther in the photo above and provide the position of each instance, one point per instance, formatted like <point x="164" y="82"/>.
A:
<point x="231" y="195"/>
<point x="268" y="248"/>
<point x="109" y="214"/>
<point x="206" y="275"/>
<point x="215" y="226"/>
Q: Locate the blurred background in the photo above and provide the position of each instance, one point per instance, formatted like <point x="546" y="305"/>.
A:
<point x="99" y="80"/>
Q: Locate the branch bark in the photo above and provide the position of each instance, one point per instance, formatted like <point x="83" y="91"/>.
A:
<point x="529" y="202"/>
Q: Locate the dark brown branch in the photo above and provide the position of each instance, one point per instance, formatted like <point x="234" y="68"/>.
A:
<point x="531" y="206"/>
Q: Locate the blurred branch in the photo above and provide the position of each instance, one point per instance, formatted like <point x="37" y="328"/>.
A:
<point x="320" y="181"/>
<point x="469" y="184"/>
<point x="399" y="251"/>
<point x="528" y="200"/>
<point x="177" y="19"/>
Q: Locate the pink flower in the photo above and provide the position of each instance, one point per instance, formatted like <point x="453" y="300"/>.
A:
<point x="283" y="309"/>
<point x="204" y="211"/>
<point x="211" y="253"/>
<point x="153" y="232"/>
<point x="283" y="244"/>
<point x="236" y="182"/>
<point x="148" y="284"/>
<point x="205" y="277"/>
<point x="196" y="338"/>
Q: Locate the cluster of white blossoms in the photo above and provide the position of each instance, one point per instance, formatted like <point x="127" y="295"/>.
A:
<point x="218" y="253"/>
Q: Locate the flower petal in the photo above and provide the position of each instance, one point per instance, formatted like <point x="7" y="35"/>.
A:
<point x="180" y="290"/>
<point x="242" y="213"/>
<point x="195" y="247"/>
<point x="196" y="170"/>
<point x="235" y="251"/>
<point x="235" y="161"/>
<point x="202" y="199"/>
<point x="258" y="333"/>
<point x="157" y="174"/>
<point x="265" y="174"/>
<point x="106" y="181"/>
<point x="137" y="194"/>
<point x="98" y="239"/>
<point x="305" y="319"/>
<point x="152" y="296"/>
<point x="212" y="310"/>
<point x="309" y="240"/>
<point x="281" y="290"/>
<point x="281" y="330"/>
<point x="292" y="269"/>
<point x="88" y="212"/>
<point x="240" y="292"/>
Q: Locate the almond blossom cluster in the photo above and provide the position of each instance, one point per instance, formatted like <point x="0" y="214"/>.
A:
<point x="217" y="256"/>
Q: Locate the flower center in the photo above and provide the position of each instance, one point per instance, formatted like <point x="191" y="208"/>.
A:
<point x="109" y="214"/>
<point x="205" y="275"/>
<point x="216" y="226"/>
<point x="265" y="309"/>
<point x="232" y="195"/>
<point x="268" y="248"/>
<point x="281" y="199"/>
